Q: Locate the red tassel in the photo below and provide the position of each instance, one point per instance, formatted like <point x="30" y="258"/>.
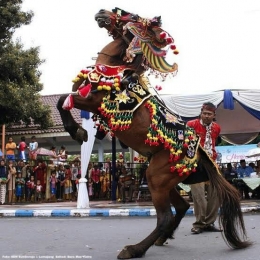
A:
<point x="68" y="103"/>
<point x="169" y="40"/>
<point x="163" y="35"/>
<point x="84" y="91"/>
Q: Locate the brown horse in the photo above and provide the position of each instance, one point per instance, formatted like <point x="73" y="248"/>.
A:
<point x="116" y="91"/>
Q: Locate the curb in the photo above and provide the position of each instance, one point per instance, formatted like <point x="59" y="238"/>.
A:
<point x="105" y="212"/>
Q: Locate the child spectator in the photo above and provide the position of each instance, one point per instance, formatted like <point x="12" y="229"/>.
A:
<point x="39" y="189"/>
<point x="68" y="184"/>
<point x="19" y="187"/>
<point x="33" y="146"/>
<point x="53" y="185"/>
<point x="30" y="188"/>
<point x="21" y="148"/>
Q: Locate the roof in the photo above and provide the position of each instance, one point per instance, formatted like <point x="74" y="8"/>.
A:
<point x="51" y="101"/>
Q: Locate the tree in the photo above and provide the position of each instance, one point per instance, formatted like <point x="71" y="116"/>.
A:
<point x="20" y="85"/>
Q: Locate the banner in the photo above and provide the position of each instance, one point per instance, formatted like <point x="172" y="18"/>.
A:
<point x="235" y="153"/>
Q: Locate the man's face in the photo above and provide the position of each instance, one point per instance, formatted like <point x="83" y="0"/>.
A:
<point x="207" y="116"/>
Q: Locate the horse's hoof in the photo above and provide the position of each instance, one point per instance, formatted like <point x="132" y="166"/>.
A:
<point x="81" y="135"/>
<point x="130" y="252"/>
<point x="124" y="254"/>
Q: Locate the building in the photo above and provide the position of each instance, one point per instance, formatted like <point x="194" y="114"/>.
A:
<point x="56" y="135"/>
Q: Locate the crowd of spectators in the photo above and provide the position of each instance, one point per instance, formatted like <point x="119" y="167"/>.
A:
<point x="235" y="173"/>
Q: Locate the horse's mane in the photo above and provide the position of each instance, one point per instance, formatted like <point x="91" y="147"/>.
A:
<point x="119" y="59"/>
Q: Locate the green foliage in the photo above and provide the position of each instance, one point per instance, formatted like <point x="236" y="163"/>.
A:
<point x="19" y="74"/>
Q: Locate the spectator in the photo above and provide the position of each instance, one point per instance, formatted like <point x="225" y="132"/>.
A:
<point x="38" y="191"/>
<point x="206" y="210"/>
<point x="68" y="184"/>
<point x="26" y="173"/>
<point x="77" y="184"/>
<point x="54" y="156"/>
<point x="62" y="155"/>
<point x="19" y="187"/>
<point x="53" y="185"/>
<point x="33" y="146"/>
<point x="21" y="148"/>
<point x="230" y="173"/>
<point x="40" y="174"/>
<point x="90" y="189"/>
<point x="11" y="181"/>
<point x="126" y="180"/>
<point x="10" y="148"/>
<point x="60" y="183"/>
<point x="104" y="181"/>
<point x="244" y="171"/>
<point x="3" y="181"/>
<point x="19" y="166"/>
<point x="95" y="176"/>
<point x="31" y="188"/>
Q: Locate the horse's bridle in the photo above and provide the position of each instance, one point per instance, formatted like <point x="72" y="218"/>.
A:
<point x="113" y="20"/>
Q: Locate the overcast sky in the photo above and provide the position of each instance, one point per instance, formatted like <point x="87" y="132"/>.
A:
<point x="218" y="40"/>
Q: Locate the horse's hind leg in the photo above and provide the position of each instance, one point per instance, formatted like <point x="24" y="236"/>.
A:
<point x="181" y="206"/>
<point x="165" y="224"/>
<point x="71" y="126"/>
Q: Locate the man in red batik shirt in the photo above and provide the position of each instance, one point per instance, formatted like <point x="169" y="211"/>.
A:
<point x="206" y="210"/>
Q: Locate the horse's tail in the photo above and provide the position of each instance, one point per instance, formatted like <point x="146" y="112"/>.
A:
<point x="230" y="217"/>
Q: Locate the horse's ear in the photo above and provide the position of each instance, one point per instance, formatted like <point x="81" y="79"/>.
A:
<point x="157" y="20"/>
<point x="122" y="12"/>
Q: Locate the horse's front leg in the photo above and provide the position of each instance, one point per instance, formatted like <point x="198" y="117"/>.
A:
<point x="181" y="206"/>
<point x="71" y="126"/>
<point x="165" y="225"/>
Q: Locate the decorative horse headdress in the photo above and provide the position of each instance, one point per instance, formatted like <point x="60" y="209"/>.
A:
<point x="150" y="40"/>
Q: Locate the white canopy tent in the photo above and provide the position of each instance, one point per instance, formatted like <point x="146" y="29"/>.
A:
<point x="238" y="111"/>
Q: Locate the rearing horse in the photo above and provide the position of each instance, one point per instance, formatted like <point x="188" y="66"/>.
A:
<point x="117" y="93"/>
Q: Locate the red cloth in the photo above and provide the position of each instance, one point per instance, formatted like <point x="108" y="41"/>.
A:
<point x="201" y="131"/>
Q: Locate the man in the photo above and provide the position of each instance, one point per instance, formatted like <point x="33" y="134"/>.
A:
<point x="244" y="171"/>
<point x="10" y="149"/>
<point x="206" y="210"/>
<point x="126" y="180"/>
<point x="230" y="173"/>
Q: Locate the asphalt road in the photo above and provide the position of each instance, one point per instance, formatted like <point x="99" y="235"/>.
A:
<point x="103" y="238"/>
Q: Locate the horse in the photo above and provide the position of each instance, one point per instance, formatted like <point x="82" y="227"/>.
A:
<point x="117" y="91"/>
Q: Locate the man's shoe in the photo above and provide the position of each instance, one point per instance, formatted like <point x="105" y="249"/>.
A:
<point x="212" y="228"/>
<point x="196" y="230"/>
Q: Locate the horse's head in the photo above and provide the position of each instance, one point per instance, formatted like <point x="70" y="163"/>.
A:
<point x="114" y="21"/>
<point x="144" y="37"/>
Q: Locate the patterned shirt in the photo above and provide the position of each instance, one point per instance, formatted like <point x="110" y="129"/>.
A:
<point x="201" y="131"/>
